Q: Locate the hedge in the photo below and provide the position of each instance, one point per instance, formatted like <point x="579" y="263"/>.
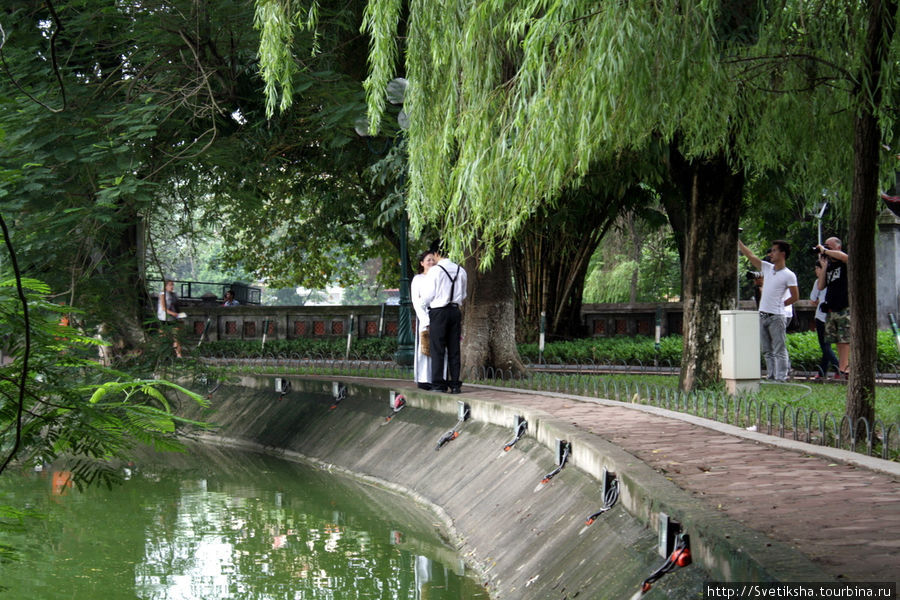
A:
<point x="803" y="349"/>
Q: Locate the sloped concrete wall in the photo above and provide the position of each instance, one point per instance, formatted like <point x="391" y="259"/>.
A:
<point x="525" y="540"/>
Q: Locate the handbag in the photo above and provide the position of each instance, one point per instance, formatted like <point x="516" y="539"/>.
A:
<point x="424" y="343"/>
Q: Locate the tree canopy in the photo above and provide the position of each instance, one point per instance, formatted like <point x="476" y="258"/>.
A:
<point x="512" y="100"/>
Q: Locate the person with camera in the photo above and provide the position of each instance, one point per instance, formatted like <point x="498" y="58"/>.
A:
<point x="828" y="358"/>
<point x="833" y="279"/>
<point x="779" y="289"/>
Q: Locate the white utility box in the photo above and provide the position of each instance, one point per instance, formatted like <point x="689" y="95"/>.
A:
<point x="740" y="350"/>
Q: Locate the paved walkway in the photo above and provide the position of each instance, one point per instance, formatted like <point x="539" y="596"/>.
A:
<point x="845" y="518"/>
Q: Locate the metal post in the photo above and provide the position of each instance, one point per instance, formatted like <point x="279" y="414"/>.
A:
<point x="659" y="333"/>
<point x="404" y="355"/>
<point x="265" y="331"/>
<point x="542" y="338"/>
<point x="737" y="291"/>
<point x="349" y="337"/>
<point x="819" y="218"/>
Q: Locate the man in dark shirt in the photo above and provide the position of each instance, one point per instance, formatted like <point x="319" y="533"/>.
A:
<point x="833" y="277"/>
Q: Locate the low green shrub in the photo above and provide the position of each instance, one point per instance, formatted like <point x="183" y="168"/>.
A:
<point x="803" y="348"/>
<point x="364" y="348"/>
<point x="631" y="350"/>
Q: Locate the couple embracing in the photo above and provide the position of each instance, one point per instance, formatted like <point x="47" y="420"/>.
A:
<point x="438" y="292"/>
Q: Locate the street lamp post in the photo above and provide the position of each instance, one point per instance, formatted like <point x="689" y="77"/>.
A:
<point x="396" y="90"/>
<point x="404" y="355"/>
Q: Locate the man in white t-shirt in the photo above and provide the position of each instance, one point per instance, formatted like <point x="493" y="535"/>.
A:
<point x="778" y="280"/>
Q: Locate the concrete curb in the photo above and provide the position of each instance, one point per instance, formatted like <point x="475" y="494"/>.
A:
<point x="728" y="550"/>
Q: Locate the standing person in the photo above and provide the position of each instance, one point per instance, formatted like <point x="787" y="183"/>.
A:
<point x="167" y="313"/>
<point x="445" y="290"/>
<point x="833" y="278"/>
<point x="229" y="299"/>
<point x="422" y="363"/>
<point x="777" y="279"/>
<point x="828" y="358"/>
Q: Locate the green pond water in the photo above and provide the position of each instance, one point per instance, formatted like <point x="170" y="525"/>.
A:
<point x="216" y="524"/>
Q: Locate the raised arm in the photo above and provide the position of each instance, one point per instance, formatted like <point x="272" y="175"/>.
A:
<point x="820" y="273"/>
<point x="754" y="260"/>
<point x="835" y="254"/>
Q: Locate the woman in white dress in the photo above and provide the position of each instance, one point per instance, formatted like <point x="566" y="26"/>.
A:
<point x="422" y="363"/>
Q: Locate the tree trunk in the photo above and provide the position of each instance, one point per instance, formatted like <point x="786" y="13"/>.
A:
<point x="121" y="311"/>
<point x="712" y="192"/>
<point x="489" y="320"/>
<point x="863" y="211"/>
<point x="550" y="278"/>
<point x="673" y="200"/>
<point x="861" y="270"/>
<point x="637" y="244"/>
<point x="551" y="259"/>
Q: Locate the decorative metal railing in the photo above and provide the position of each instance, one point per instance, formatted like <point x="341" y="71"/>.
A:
<point x="629" y="383"/>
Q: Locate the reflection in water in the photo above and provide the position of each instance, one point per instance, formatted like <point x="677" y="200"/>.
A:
<point x="217" y="525"/>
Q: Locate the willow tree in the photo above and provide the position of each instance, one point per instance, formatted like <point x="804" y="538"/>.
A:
<point x="510" y="102"/>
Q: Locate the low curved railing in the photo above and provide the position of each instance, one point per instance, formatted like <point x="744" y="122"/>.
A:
<point x="599" y="380"/>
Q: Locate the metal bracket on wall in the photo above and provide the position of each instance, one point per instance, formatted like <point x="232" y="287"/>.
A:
<point x="282" y="386"/>
<point x="338" y="393"/>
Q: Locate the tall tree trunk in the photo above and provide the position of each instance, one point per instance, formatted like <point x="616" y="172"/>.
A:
<point x="673" y="200"/>
<point x="489" y="320"/>
<point x="861" y="270"/>
<point x="637" y="244"/>
<point x="712" y="192"/>
<point x="863" y="211"/>
<point x="552" y="256"/>
<point x="121" y="311"/>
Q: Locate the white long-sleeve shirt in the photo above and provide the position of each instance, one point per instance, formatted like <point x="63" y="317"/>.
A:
<point x="436" y="291"/>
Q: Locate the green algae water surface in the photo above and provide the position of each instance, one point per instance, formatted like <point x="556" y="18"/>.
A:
<point x="222" y="524"/>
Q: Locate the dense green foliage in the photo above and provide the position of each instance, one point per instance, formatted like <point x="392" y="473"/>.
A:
<point x="140" y="129"/>
<point x="113" y="135"/>
<point x="526" y="97"/>
<point x="65" y="404"/>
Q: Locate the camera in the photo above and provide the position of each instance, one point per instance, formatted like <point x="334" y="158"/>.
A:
<point x="753" y="275"/>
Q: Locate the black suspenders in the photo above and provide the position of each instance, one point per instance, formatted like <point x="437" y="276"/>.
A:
<point x="452" y="283"/>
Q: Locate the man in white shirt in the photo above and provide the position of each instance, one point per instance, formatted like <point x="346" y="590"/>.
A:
<point x="443" y="292"/>
<point x="777" y="281"/>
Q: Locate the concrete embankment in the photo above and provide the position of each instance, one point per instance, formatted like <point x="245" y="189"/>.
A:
<point x="526" y="540"/>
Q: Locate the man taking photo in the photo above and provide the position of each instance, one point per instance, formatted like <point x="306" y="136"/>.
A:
<point x="833" y="277"/>
<point x="779" y="290"/>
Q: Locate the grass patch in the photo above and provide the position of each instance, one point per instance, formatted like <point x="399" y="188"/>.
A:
<point x="822" y="397"/>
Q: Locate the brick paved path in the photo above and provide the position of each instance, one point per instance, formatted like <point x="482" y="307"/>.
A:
<point x="844" y="518"/>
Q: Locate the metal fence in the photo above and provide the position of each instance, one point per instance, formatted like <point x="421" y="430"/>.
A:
<point x="602" y="380"/>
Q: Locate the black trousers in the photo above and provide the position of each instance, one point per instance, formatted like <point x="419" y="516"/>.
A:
<point x="444" y="333"/>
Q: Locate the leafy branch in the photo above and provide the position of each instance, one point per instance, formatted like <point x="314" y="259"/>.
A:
<point x="20" y="408"/>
